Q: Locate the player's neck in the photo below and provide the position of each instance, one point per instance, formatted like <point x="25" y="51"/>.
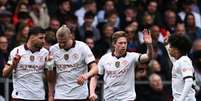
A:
<point x="119" y="54"/>
<point x="177" y="56"/>
<point x="29" y="46"/>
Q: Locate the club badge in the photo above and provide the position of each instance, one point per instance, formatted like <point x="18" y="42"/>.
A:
<point x="117" y="64"/>
<point x="66" y="56"/>
<point x="32" y="58"/>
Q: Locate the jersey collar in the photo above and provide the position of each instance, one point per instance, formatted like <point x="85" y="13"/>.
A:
<point x="124" y="55"/>
<point x="73" y="45"/>
<point x="27" y="48"/>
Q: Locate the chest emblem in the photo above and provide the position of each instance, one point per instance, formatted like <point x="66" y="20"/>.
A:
<point x="117" y="64"/>
<point x="66" y="56"/>
<point x="32" y="58"/>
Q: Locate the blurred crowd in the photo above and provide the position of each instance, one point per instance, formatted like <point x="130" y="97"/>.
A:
<point x="94" y="22"/>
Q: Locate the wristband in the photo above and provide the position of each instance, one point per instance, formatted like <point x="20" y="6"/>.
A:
<point x="49" y="65"/>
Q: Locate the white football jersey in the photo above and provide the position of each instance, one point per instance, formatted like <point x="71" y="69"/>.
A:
<point x="70" y="64"/>
<point x="119" y="79"/>
<point x="182" y="68"/>
<point x="198" y="78"/>
<point x="28" y="75"/>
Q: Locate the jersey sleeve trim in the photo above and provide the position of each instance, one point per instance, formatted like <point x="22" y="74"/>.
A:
<point x="91" y="62"/>
<point x="187" y="77"/>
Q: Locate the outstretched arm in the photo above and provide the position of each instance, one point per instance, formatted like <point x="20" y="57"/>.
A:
<point x="150" y="51"/>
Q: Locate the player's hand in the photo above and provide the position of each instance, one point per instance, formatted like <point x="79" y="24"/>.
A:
<point x="147" y="37"/>
<point x="93" y="97"/>
<point x="16" y="59"/>
<point x="82" y="78"/>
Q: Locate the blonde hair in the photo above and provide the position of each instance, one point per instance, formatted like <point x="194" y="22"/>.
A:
<point x="117" y="35"/>
<point x="63" y="31"/>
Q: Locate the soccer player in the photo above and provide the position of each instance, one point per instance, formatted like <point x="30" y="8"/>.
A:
<point x="118" y="68"/>
<point x="182" y="71"/>
<point x="26" y="62"/>
<point x="72" y="59"/>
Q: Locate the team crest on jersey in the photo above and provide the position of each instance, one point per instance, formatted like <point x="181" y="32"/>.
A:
<point x="117" y="64"/>
<point x="66" y="56"/>
<point x="32" y="58"/>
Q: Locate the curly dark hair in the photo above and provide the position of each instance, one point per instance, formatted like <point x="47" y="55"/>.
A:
<point x="181" y="42"/>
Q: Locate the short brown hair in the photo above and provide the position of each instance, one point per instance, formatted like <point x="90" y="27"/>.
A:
<point x="117" y="35"/>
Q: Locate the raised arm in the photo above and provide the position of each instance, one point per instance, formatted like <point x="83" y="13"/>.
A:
<point x="12" y="63"/>
<point x="150" y="51"/>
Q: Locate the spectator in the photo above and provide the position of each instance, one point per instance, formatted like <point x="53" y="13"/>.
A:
<point x="54" y="24"/>
<point x="180" y="29"/>
<point x="72" y="23"/>
<point x="157" y="91"/>
<point x="39" y="14"/>
<point x="133" y="41"/>
<point x="65" y="7"/>
<point x="192" y="31"/>
<point x="111" y="18"/>
<point x="22" y="34"/>
<point x="104" y="45"/>
<point x="88" y="5"/>
<point x="170" y="20"/>
<point x="87" y="26"/>
<point x="5" y="19"/>
<point x="109" y="6"/>
<point x="187" y="8"/>
<point x="3" y="52"/>
<point x="152" y="6"/>
<point x="89" y="40"/>
<point x="22" y="6"/>
<point x="10" y="34"/>
<point x="128" y="16"/>
<point x="196" y="45"/>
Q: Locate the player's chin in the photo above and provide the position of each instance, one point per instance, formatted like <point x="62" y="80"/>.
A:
<point x="39" y="46"/>
<point x="123" y="51"/>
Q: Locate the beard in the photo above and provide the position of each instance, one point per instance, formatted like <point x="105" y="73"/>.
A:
<point x="38" y="46"/>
